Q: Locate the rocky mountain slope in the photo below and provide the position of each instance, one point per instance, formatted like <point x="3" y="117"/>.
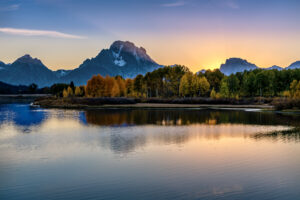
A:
<point x="25" y="71"/>
<point x="234" y="65"/>
<point x="122" y="58"/>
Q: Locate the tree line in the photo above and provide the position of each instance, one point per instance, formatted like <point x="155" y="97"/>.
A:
<point x="179" y="81"/>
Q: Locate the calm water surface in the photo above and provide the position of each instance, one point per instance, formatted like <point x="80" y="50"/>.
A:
<point x="147" y="154"/>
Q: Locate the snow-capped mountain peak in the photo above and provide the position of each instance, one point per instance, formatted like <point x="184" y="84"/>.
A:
<point x="118" y="58"/>
<point x="127" y="47"/>
<point x="122" y="58"/>
<point x="61" y="73"/>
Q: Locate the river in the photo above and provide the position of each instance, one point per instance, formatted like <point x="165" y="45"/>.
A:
<point x="148" y="154"/>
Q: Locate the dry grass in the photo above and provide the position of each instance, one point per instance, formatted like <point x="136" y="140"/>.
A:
<point x="286" y="103"/>
<point x="78" y="102"/>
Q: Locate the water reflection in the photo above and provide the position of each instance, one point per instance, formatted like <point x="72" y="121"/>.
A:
<point x="125" y="131"/>
<point x="26" y="116"/>
<point x="27" y="119"/>
<point x="147" y="154"/>
<point x="289" y="135"/>
<point x="20" y="115"/>
<point x="186" y="117"/>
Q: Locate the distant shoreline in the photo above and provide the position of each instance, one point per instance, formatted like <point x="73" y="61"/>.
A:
<point x="156" y="105"/>
<point x="178" y="106"/>
<point x="21" y="98"/>
<point x="124" y="103"/>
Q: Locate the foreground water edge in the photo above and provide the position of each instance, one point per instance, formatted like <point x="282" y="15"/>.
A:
<point x="147" y="154"/>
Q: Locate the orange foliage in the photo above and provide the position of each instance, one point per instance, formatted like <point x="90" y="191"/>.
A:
<point x="98" y="86"/>
<point x="95" y="86"/>
<point x="122" y="87"/>
<point x="109" y="83"/>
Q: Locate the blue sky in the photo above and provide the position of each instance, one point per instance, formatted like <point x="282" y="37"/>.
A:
<point x="197" y="33"/>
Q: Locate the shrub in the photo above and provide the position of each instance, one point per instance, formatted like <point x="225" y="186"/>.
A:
<point x="286" y="103"/>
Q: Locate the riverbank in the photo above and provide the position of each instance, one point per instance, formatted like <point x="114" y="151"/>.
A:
<point x="21" y="98"/>
<point x="94" y="103"/>
<point x="181" y="106"/>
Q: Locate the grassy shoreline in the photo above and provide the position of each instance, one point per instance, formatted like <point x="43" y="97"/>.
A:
<point x="122" y="103"/>
<point x="21" y="98"/>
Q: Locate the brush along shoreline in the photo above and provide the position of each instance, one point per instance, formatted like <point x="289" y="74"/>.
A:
<point x="91" y="103"/>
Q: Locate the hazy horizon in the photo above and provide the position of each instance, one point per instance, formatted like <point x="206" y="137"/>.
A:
<point x="198" y="34"/>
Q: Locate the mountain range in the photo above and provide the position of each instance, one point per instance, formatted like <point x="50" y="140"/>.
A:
<point x="122" y="58"/>
<point x="234" y="65"/>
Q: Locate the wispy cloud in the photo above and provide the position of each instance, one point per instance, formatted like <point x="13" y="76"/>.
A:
<point x="30" y="32"/>
<point x="10" y="7"/>
<point x="174" y="4"/>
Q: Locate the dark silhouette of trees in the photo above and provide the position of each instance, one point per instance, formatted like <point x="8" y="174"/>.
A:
<point x="32" y="88"/>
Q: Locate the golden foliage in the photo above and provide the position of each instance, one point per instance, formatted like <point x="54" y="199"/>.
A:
<point x="79" y="91"/>
<point x="295" y="89"/>
<point x="203" y="86"/>
<point x="192" y="85"/>
<point x="109" y="83"/>
<point x="98" y="86"/>
<point x="121" y="83"/>
<point x="213" y="94"/>
<point x="65" y="93"/>
<point x="95" y="86"/>
<point x="68" y="92"/>
<point x="185" y="86"/>
<point x="286" y="94"/>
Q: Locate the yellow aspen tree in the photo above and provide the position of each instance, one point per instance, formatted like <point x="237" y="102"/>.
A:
<point x="78" y="92"/>
<point x="70" y="92"/>
<point x="121" y="84"/>
<point x="185" y="84"/>
<point x="108" y="85"/>
<point x="65" y="93"/>
<point x="115" y="91"/>
<point x="203" y="86"/>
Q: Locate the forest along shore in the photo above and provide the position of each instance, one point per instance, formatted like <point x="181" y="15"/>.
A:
<point x="90" y="103"/>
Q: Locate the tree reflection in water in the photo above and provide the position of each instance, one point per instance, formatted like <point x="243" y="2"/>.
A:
<point x="186" y="117"/>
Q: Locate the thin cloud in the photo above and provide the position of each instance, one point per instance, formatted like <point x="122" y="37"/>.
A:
<point x="174" y="4"/>
<point x="30" y="32"/>
<point x="12" y="7"/>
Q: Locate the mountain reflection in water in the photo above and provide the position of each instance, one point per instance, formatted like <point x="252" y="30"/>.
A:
<point x="147" y="154"/>
<point x="143" y="126"/>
